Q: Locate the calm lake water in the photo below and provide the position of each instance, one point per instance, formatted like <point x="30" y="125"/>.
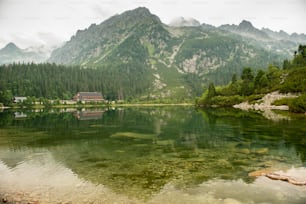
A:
<point x="150" y="155"/>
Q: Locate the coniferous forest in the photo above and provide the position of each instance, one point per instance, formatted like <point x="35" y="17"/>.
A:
<point x="53" y="81"/>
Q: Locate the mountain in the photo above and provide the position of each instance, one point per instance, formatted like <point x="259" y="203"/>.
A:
<point x="277" y="42"/>
<point x="282" y="35"/>
<point x="246" y="29"/>
<point x="184" y="22"/>
<point x="135" y="49"/>
<point x="11" y="53"/>
<point x="96" y="44"/>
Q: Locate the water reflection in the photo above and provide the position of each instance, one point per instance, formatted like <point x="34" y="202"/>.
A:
<point x="89" y="114"/>
<point x="18" y="115"/>
<point x="38" y="177"/>
<point x="157" y="154"/>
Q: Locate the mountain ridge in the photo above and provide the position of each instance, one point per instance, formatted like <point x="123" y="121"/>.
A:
<point x="175" y="61"/>
<point x="142" y="57"/>
<point x="12" y="53"/>
<point x="10" y="47"/>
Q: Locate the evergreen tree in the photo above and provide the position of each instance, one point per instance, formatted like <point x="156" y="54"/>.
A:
<point x="234" y="78"/>
<point x="6" y="97"/>
<point x="247" y="82"/>
<point x="211" y="91"/>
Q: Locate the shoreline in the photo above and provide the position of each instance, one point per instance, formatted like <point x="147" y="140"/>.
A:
<point x="266" y="102"/>
<point x="100" y="105"/>
<point x="265" y="106"/>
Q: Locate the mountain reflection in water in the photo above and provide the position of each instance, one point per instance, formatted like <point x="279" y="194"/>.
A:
<point x="154" y="155"/>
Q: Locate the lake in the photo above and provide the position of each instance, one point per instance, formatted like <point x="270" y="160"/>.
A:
<point x="149" y="155"/>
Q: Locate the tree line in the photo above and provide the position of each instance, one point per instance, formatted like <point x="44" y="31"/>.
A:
<point x="51" y="81"/>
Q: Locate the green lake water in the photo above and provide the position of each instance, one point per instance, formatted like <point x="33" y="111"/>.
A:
<point x="150" y="155"/>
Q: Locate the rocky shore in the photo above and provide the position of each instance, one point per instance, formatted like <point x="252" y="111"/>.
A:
<point x="266" y="102"/>
<point x="19" y="197"/>
<point x="265" y="105"/>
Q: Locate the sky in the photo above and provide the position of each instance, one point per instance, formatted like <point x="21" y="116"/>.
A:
<point x="32" y="23"/>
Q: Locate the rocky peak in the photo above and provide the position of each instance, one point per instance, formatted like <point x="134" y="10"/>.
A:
<point x="245" y="25"/>
<point x="141" y="11"/>
<point x="138" y="14"/>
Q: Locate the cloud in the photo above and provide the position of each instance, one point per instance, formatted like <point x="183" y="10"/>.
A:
<point x="49" y="39"/>
<point x="101" y="11"/>
<point x="38" y="19"/>
<point x="3" y="42"/>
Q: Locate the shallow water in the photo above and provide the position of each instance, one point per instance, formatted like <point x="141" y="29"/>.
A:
<point x="151" y="155"/>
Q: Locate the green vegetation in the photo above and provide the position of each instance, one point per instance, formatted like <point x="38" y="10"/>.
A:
<point x="295" y="80"/>
<point x="251" y="87"/>
<point x="218" y="56"/>
<point x="6" y="96"/>
<point x="297" y="105"/>
<point x="52" y="81"/>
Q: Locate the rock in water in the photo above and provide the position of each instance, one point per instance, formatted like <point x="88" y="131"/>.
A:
<point x="261" y="172"/>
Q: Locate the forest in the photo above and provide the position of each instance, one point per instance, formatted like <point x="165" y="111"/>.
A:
<point x="132" y="80"/>
<point x="51" y="81"/>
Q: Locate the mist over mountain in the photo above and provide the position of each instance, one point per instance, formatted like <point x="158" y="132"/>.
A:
<point x="11" y="53"/>
<point x="246" y="29"/>
<point x="184" y="22"/>
<point x="277" y="42"/>
<point x="282" y="35"/>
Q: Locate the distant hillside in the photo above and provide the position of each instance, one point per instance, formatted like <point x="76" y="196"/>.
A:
<point x="11" y="53"/>
<point x="246" y="29"/>
<point x="279" y="43"/>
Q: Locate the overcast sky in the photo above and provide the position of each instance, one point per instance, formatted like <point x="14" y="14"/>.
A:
<point x="50" y="22"/>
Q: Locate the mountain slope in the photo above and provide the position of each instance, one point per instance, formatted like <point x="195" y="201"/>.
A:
<point x="93" y="45"/>
<point x="136" y="48"/>
<point x="282" y="35"/>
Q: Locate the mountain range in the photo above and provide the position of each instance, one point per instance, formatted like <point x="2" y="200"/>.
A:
<point x="11" y="53"/>
<point x="178" y="59"/>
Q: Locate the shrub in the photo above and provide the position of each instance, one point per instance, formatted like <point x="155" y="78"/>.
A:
<point x="226" y="101"/>
<point x="254" y="98"/>
<point x="298" y="105"/>
<point x="295" y="81"/>
<point x="283" y="101"/>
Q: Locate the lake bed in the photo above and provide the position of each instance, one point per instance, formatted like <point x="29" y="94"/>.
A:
<point x="149" y="155"/>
